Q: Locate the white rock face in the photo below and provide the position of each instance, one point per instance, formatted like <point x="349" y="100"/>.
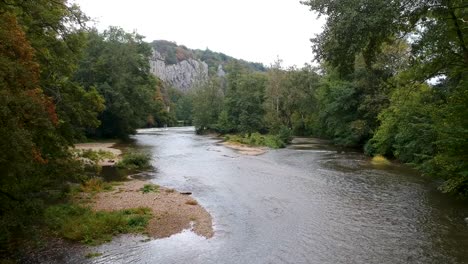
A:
<point x="183" y="75"/>
<point x="221" y="72"/>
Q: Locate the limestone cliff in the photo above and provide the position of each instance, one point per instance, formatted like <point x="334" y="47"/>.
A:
<point x="184" y="68"/>
<point x="183" y="75"/>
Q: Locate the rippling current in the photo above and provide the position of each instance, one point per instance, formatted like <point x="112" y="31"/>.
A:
<point x="308" y="203"/>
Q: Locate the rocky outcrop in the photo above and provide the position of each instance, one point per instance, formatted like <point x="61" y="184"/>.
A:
<point x="184" y="75"/>
<point x="221" y="73"/>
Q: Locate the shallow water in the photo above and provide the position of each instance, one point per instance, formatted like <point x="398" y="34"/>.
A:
<point x="308" y="203"/>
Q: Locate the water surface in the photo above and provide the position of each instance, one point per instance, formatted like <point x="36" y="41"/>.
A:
<point x="308" y="203"/>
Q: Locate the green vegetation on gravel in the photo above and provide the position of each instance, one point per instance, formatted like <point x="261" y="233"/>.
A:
<point x="82" y="224"/>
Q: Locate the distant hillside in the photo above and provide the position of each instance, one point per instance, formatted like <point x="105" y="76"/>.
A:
<point x="173" y="54"/>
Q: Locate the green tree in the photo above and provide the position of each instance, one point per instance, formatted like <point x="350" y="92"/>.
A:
<point x="407" y="130"/>
<point x="301" y="104"/>
<point x="235" y="72"/>
<point x="338" y="103"/>
<point x="116" y="64"/>
<point x="184" y="108"/>
<point x="207" y="104"/>
<point x="275" y="93"/>
<point x="361" y="27"/>
<point x="243" y="104"/>
<point x="423" y="123"/>
<point x="451" y="160"/>
<point x="182" y="105"/>
<point x="251" y="96"/>
<point x="161" y="106"/>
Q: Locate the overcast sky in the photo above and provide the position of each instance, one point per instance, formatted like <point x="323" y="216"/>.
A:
<point x="254" y="30"/>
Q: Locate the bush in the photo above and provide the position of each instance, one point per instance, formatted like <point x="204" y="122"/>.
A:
<point x="81" y="224"/>
<point x="285" y="134"/>
<point x="135" y="161"/>
<point x="274" y="141"/>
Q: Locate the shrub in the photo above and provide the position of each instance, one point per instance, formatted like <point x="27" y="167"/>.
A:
<point x="135" y="161"/>
<point x="285" y="134"/>
<point x="274" y="141"/>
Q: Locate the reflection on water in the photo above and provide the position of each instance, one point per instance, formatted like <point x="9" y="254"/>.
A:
<point x="309" y="203"/>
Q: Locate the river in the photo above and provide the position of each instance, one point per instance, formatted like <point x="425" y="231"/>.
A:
<point x="308" y="203"/>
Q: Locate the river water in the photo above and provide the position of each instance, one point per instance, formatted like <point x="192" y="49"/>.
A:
<point x="308" y="203"/>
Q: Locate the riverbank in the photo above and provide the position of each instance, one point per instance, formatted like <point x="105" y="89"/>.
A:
<point x="245" y="149"/>
<point x="172" y="211"/>
<point x="96" y="210"/>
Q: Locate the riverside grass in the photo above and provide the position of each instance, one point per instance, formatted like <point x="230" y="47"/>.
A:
<point x="81" y="224"/>
<point x="257" y="139"/>
<point x="78" y="222"/>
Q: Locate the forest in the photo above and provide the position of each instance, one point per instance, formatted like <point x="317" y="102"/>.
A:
<point x="391" y="79"/>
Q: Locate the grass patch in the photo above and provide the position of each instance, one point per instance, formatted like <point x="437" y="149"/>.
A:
<point x="147" y="188"/>
<point x="81" y="224"/>
<point x="257" y="139"/>
<point x="135" y="161"/>
<point x="95" y="185"/>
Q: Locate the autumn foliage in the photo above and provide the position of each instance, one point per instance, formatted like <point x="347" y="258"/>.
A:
<point x="32" y="155"/>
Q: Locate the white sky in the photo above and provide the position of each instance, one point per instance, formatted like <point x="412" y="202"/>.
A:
<point x="253" y="30"/>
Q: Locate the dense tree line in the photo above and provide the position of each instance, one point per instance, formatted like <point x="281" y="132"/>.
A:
<point x="59" y="83"/>
<point x="115" y="63"/>
<point x="400" y="68"/>
<point x="276" y="102"/>
<point x="40" y="106"/>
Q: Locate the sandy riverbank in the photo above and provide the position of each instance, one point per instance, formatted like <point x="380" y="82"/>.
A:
<point x="172" y="211"/>
<point x="245" y="149"/>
